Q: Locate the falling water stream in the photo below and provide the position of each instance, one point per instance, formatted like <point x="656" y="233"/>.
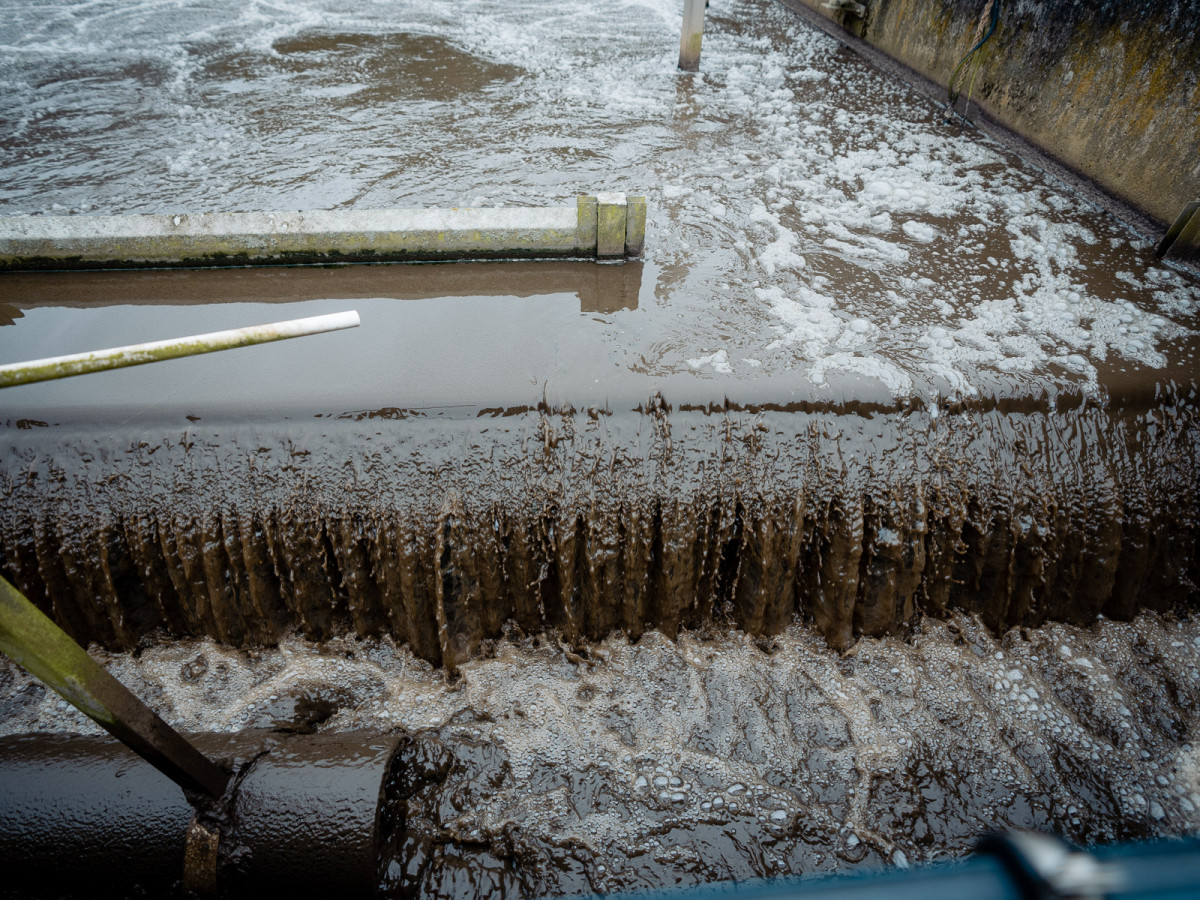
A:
<point x="857" y="519"/>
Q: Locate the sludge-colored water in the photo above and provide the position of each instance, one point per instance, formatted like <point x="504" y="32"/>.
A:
<point x="810" y="218"/>
<point x="540" y="770"/>
<point x="439" y="531"/>
<point x="873" y="366"/>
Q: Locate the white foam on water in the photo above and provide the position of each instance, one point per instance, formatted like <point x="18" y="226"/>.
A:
<point x="953" y="731"/>
<point x="919" y="231"/>
<point x="822" y="192"/>
<point x="719" y="361"/>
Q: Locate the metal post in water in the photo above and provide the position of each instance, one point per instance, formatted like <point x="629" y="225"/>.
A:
<point x="1182" y="240"/>
<point x="31" y="639"/>
<point x="693" y="33"/>
<point x="138" y="354"/>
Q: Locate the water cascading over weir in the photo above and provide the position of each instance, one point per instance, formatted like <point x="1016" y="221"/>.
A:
<point x="611" y="502"/>
<point x="434" y="481"/>
<point x="760" y="470"/>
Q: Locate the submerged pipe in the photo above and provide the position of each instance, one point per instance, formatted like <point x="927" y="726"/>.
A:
<point x="307" y="814"/>
<point x="78" y="812"/>
<point x="82" y="816"/>
<point x="86" y="816"/>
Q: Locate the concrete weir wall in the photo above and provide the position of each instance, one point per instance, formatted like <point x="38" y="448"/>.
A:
<point x="601" y="226"/>
<point x="1111" y="89"/>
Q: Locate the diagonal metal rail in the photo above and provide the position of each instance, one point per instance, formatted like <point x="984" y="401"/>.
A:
<point x="157" y="351"/>
<point x="31" y="639"/>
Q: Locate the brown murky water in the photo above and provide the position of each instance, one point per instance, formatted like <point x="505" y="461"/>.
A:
<point x="439" y="529"/>
<point x="874" y="370"/>
<point x="543" y="769"/>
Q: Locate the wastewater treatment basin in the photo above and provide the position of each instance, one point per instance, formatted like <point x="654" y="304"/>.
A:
<point x="855" y="519"/>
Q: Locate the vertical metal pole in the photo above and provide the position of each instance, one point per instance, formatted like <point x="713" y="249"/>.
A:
<point x="693" y="33"/>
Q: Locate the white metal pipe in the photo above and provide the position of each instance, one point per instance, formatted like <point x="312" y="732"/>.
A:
<point x="156" y="351"/>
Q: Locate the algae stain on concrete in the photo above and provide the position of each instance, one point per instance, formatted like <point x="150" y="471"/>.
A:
<point x="1109" y="89"/>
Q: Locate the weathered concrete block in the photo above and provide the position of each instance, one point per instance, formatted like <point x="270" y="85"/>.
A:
<point x="30" y="242"/>
<point x="393" y="235"/>
<point x="635" y="226"/>
<point x="586" y="221"/>
<point x="610" y="225"/>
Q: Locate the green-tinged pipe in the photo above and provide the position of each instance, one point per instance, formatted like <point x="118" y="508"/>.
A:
<point x="156" y="351"/>
<point x="31" y="639"/>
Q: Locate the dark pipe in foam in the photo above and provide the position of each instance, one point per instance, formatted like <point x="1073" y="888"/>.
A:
<point x="86" y="816"/>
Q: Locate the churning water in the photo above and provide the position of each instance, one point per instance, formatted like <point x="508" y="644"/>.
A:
<point x="542" y="770"/>
<point x="834" y="388"/>
<point x="809" y="217"/>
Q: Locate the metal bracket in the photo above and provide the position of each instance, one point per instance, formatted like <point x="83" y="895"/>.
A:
<point x="1046" y="866"/>
<point x="200" y="857"/>
<point x="852" y="7"/>
<point x="850" y="14"/>
<point x="1182" y="240"/>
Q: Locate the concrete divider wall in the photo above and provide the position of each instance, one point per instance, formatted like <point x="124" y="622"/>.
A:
<point x="1110" y="88"/>
<point x="605" y="226"/>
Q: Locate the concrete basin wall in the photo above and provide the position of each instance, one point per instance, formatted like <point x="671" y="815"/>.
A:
<point x="606" y="226"/>
<point x="1112" y="89"/>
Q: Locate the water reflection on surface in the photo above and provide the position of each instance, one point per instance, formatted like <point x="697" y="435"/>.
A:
<point x="487" y="334"/>
<point x="808" y="215"/>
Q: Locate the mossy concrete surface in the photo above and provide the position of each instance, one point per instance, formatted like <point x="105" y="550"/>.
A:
<point x="1112" y="89"/>
<point x="611" y="215"/>
<point x="240" y="238"/>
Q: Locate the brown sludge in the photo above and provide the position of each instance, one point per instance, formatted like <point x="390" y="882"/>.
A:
<point x="545" y="770"/>
<point x="439" y="531"/>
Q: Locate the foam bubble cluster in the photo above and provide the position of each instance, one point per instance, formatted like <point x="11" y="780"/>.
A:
<point x="808" y="214"/>
<point x="721" y="756"/>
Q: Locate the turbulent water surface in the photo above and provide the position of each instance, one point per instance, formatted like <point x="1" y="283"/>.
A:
<point x="545" y="769"/>
<point x="872" y="366"/>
